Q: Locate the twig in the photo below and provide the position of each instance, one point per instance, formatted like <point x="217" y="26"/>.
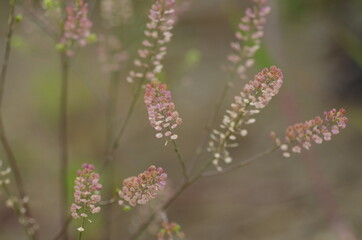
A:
<point x="116" y="142"/>
<point x="149" y="220"/>
<point x="240" y="164"/>
<point x="227" y="86"/>
<point x="187" y="184"/>
<point x="63" y="141"/>
<point x="3" y="137"/>
<point x="210" y="124"/>
<point x="111" y="115"/>
<point x="182" y="162"/>
<point x="9" y="35"/>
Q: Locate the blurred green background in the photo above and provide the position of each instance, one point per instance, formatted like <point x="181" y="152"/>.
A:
<point x="315" y="196"/>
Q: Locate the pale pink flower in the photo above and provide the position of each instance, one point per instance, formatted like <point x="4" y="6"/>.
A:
<point x="161" y="110"/>
<point x="255" y="95"/>
<point x="76" y="29"/>
<point x="86" y="192"/>
<point x="142" y="188"/>
<point x="158" y="34"/>
<point x="250" y="31"/>
<point x="317" y="130"/>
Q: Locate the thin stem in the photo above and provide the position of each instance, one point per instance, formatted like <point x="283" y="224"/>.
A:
<point x="115" y="146"/>
<point x="227" y="86"/>
<point x="112" y="107"/>
<point x="240" y="164"/>
<point x="211" y="123"/>
<point x="131" y="108"/>
<point x="182" y="162"/>
<point x="9" y="35"/>
<point x="82" y="230"/>
<point x="63" y="137"/>
<point x="187" y="184"/>
<point x="149" y="220"/>
<point x="3" y="137"/>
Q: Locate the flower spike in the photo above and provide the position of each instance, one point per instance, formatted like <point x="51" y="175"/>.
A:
<point x="76" y="32"/>
<point x="255" y="95"/>
<point x="86" y="193"/>
<point x="158" y="34"/>
<point x="249" y="34"/>
<point x="161" y="110"/>
<point x="317" y="130"/>
<point x="142" y="188"/>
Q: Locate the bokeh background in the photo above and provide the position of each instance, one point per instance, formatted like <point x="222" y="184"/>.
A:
<point x="315" y="196"/>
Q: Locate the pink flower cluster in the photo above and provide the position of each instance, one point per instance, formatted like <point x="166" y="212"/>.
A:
<point x="144" y="187"/>
<point x="158" y="34"/>
<point x="161" y="110"/>
<point x="111" y="54"/>
<point x="170" y="231"/>
<point x="86" y="192"/>
<point x="77" y="27"/>
<point x="302" y="135"/>
<point x="255" y="95"/>
<point x="251" y="30"/>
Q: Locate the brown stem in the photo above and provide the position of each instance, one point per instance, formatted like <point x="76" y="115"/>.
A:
<point x="115" y="144"/>
<point x="4" y="67"/>
<point x="211" y="123"/>
<point x="182" y="162"/>
<point x="187" y="184"/>
<point x="136" y="95"/>
<point x="240" y="164"/>
<point x="149" y="220"/>
<point x="63" y="141"/>
<point x="3" y="137"/>
<point x="112" y="107"/>
<point x="227" y="86"/>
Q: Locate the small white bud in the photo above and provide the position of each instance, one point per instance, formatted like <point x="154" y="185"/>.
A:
<point x="284" y="147"/>
<point x="244" y="132"/>
<point x="250" y="121"/>
<point x="286" y="154"/>
<point x="228" y="160"/>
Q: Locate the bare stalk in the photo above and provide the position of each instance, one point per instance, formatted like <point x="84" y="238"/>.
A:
<point x="63" y="141"/>
<point x="180" y="159"/>
<point x="240" y="164"/>
<point x="112" y="106"/>
<point x="3" y="137"/>
<point x="117" y="139"/>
